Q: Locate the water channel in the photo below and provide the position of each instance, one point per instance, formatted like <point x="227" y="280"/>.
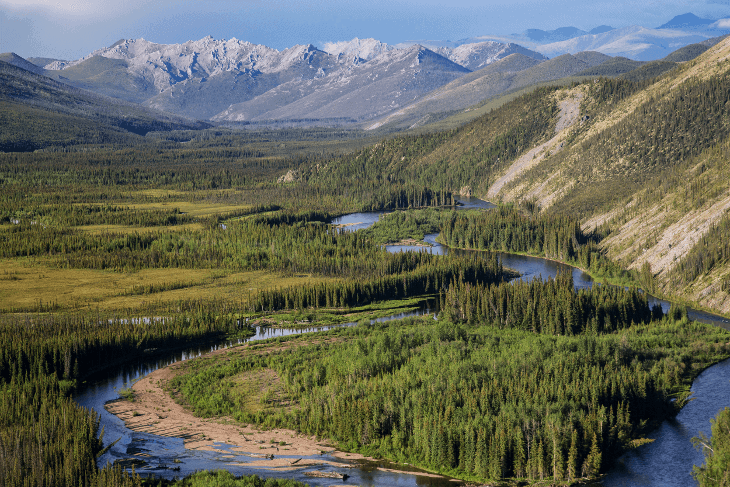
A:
<point x="667" y="461"/>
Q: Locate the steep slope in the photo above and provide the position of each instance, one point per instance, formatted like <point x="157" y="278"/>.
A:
<point x="382" y="84"/>
<point x="357" y="49"/>
<point x="651" y="164"/>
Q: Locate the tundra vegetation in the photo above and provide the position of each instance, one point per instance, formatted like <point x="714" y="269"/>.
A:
<point x="514" y="382"/>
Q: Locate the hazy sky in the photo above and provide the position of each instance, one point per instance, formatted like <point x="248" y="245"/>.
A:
<point x="69" y="29"/>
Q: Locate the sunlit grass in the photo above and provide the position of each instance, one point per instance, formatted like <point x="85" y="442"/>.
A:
<point x="194" y="208"/>
<point x="30" y="285"/>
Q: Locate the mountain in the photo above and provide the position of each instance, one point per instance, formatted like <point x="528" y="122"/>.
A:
<point x="687" y="21"/>
<point x="687" y="53"/>
<point x="205" y="78"/>
<point x="357" y="49"/>
<point x="17" y="61"/>
<point x="459" y="94"/>
<point x="386" y="82"/>
<point x="601" y="29"/>
<point x="635" y="42"/>
<point x="546" y="36"/>
<point x="477" y="55"/>
<point x="612" y="67"/>
<point x="43" y="61"/>
<point x="38" y="111"/>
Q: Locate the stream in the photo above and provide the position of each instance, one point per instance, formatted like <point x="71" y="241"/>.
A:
<point x="667" y="461"/>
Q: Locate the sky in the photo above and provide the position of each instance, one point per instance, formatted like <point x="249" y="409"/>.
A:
<point x="70" y="29"/>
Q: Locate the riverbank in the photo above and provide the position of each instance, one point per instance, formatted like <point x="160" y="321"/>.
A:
<point x="152" y="408"/>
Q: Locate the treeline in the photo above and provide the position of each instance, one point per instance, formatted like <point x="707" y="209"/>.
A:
<point x="222" y="478"/>
<point x="477" y="401"/>
<point x="418" y="274"/>
<point x="283" y="242"/>
<point x="553" y="307"/>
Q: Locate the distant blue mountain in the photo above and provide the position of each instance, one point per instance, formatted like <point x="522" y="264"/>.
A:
<point x="601" y="29"/>
<point x="685" y="21"/>
<point x="561" y="34"/>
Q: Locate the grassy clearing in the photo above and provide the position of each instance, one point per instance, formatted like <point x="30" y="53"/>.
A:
<point x="200" y="209"/>
<point x="260" y="389"/>
<point x="126" y="229"/>
<point x="27" y="285"/>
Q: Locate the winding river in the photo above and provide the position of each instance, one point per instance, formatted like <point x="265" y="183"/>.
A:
<point x="667" y="461"/>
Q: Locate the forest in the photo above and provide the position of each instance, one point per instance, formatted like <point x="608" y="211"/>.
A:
<point x="124" y="245"/>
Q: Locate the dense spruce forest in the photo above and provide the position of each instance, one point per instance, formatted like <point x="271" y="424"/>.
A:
<point x="127" y="243"/>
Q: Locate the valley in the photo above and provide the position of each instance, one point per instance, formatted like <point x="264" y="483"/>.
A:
<point x="306" y="262"/>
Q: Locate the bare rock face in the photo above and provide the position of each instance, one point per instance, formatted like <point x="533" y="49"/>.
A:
<point x="289" y="177"/>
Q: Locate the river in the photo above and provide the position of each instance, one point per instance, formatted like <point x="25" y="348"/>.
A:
<point x="667" y="461"/>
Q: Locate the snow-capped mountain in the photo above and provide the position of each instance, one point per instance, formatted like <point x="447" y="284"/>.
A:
<point x="477" y="55"/>
<point x="356" y="49"/>
<point x="169" y="64"/>
<point x="237" y="80"/>
<point x="388" y="81"/>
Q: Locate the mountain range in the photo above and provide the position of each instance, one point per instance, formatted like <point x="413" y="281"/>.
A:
<point x="362" y="82"/>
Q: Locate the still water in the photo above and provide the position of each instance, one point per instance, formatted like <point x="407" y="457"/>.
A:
<point x="667" y="461"/>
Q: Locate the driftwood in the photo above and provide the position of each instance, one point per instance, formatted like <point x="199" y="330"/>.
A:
<point x="327" y="475"/>
<point x="269" y="456"/>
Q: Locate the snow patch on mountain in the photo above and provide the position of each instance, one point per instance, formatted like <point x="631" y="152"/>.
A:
<point x="475" y="56"/>
<point x="363" y="49"/>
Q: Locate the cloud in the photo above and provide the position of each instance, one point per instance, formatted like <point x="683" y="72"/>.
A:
<point x="76" y="8"/>
<point x="721" y="24"/>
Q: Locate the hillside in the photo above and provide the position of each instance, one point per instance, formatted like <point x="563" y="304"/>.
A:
<point x="643" y="161"/>
<point x="40" y="112"/>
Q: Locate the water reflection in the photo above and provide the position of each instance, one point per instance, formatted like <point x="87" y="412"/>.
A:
<point x="668" y="461"/>
<point x="357" y="221"/>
